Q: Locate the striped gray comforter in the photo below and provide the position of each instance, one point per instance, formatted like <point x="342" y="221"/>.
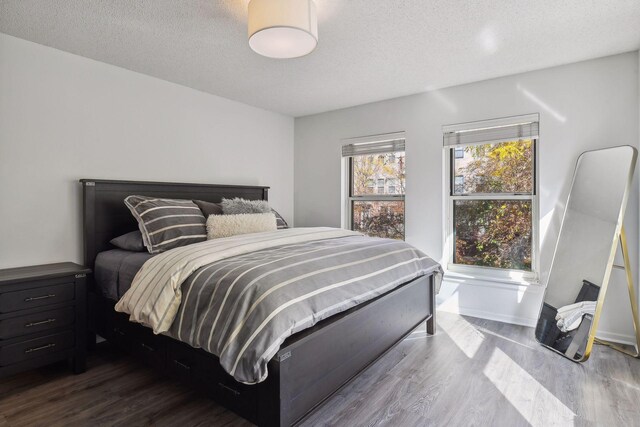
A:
<point x="243" y="307"/>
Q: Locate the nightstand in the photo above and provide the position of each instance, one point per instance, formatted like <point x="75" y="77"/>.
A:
<point x="43" y="317"/>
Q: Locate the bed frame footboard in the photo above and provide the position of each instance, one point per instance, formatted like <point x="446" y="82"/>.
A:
<point x="318" y="363"/>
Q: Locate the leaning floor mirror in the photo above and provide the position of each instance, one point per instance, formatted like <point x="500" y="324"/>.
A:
<point x="590" y="235"/>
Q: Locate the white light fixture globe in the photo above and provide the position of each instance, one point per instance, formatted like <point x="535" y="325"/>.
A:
<point x="283" y="28"/>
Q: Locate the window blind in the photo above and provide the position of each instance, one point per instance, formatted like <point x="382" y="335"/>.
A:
<point x="492" y="131"/>
<point x="372" y="147"/>
<point x="373" y="144"/>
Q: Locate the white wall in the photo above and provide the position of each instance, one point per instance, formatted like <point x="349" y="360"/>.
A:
<point x="64" y="117"/>
<point x="582" y="106"/>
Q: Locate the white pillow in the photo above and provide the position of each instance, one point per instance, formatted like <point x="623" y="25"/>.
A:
<point x="219" y="226"/>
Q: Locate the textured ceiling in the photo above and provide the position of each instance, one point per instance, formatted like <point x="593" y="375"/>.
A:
<point x="369" y="49"/>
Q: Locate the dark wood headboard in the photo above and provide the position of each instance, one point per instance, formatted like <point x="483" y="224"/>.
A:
<point x="105" y="215"/>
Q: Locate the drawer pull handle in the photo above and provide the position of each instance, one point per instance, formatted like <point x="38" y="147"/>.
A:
<point x="235" y="392"/>
<point x="182" y="365"/>
<point x="147" y="347"/>
<point x="44" y="347"/>
<point x="39" y="298"/>
<point x="42" y="322"/>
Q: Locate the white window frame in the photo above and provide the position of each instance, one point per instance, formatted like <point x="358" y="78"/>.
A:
<point x="484" y="272"/>
<point x="348" y="199"/>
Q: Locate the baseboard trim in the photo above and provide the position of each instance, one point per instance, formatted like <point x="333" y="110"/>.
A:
<point x="515" y="320"/>
<point x="523" y="321"/>
<point x="616" y="337"/>
<point x="495" y="301"/>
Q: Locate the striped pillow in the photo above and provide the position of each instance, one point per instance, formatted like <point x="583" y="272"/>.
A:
<point x="167" y="223"/>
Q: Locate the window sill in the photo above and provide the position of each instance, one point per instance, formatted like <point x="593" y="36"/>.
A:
<point x="486" y="277"/>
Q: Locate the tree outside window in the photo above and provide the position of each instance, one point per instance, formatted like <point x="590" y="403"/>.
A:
<point x="492" y="194"/>
<point x="378" y="210"/>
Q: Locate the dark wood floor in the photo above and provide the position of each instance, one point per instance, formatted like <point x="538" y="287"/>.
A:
<point x="473" y="372"/>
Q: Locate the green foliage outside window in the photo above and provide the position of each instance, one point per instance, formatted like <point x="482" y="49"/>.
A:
<point x="494" y="232"/>
<point x="376" y="175"/>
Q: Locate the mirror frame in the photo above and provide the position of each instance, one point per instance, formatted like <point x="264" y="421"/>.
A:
<point x="618" y="238"/>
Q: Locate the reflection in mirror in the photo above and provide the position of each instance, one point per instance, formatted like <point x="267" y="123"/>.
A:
<point x="585" y="250"/>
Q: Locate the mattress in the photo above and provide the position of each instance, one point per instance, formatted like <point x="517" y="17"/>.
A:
<point x="115" y="270"/>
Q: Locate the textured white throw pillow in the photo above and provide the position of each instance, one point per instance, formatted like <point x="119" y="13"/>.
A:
<point x="219" y="226"/>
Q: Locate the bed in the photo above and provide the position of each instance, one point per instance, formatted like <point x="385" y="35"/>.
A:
<point x="309" y="366"/>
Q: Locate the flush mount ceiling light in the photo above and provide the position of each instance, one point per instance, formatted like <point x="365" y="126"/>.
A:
<point x="283" y="28"/>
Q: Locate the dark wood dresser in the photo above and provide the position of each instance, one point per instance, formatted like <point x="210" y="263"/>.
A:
<point x="43" y="312"/>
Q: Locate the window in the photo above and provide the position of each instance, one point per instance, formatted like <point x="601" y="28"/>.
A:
<point x="458" y="183"/>
<point x="392" y="185"/>
<point x="492" y="192"/>
<point x="371" y="184"/>
<point x="376" y="210"/>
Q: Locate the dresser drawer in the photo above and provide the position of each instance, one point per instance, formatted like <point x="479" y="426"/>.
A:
<point x="36" y="347"/>
<point x="181" y="361"/>
<point x="226" y="390"/>
<point x="36" y="297"/>
<point x="36" y="322"/>
<point x="152" y="349"/>
<point x="121" y="333"/>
